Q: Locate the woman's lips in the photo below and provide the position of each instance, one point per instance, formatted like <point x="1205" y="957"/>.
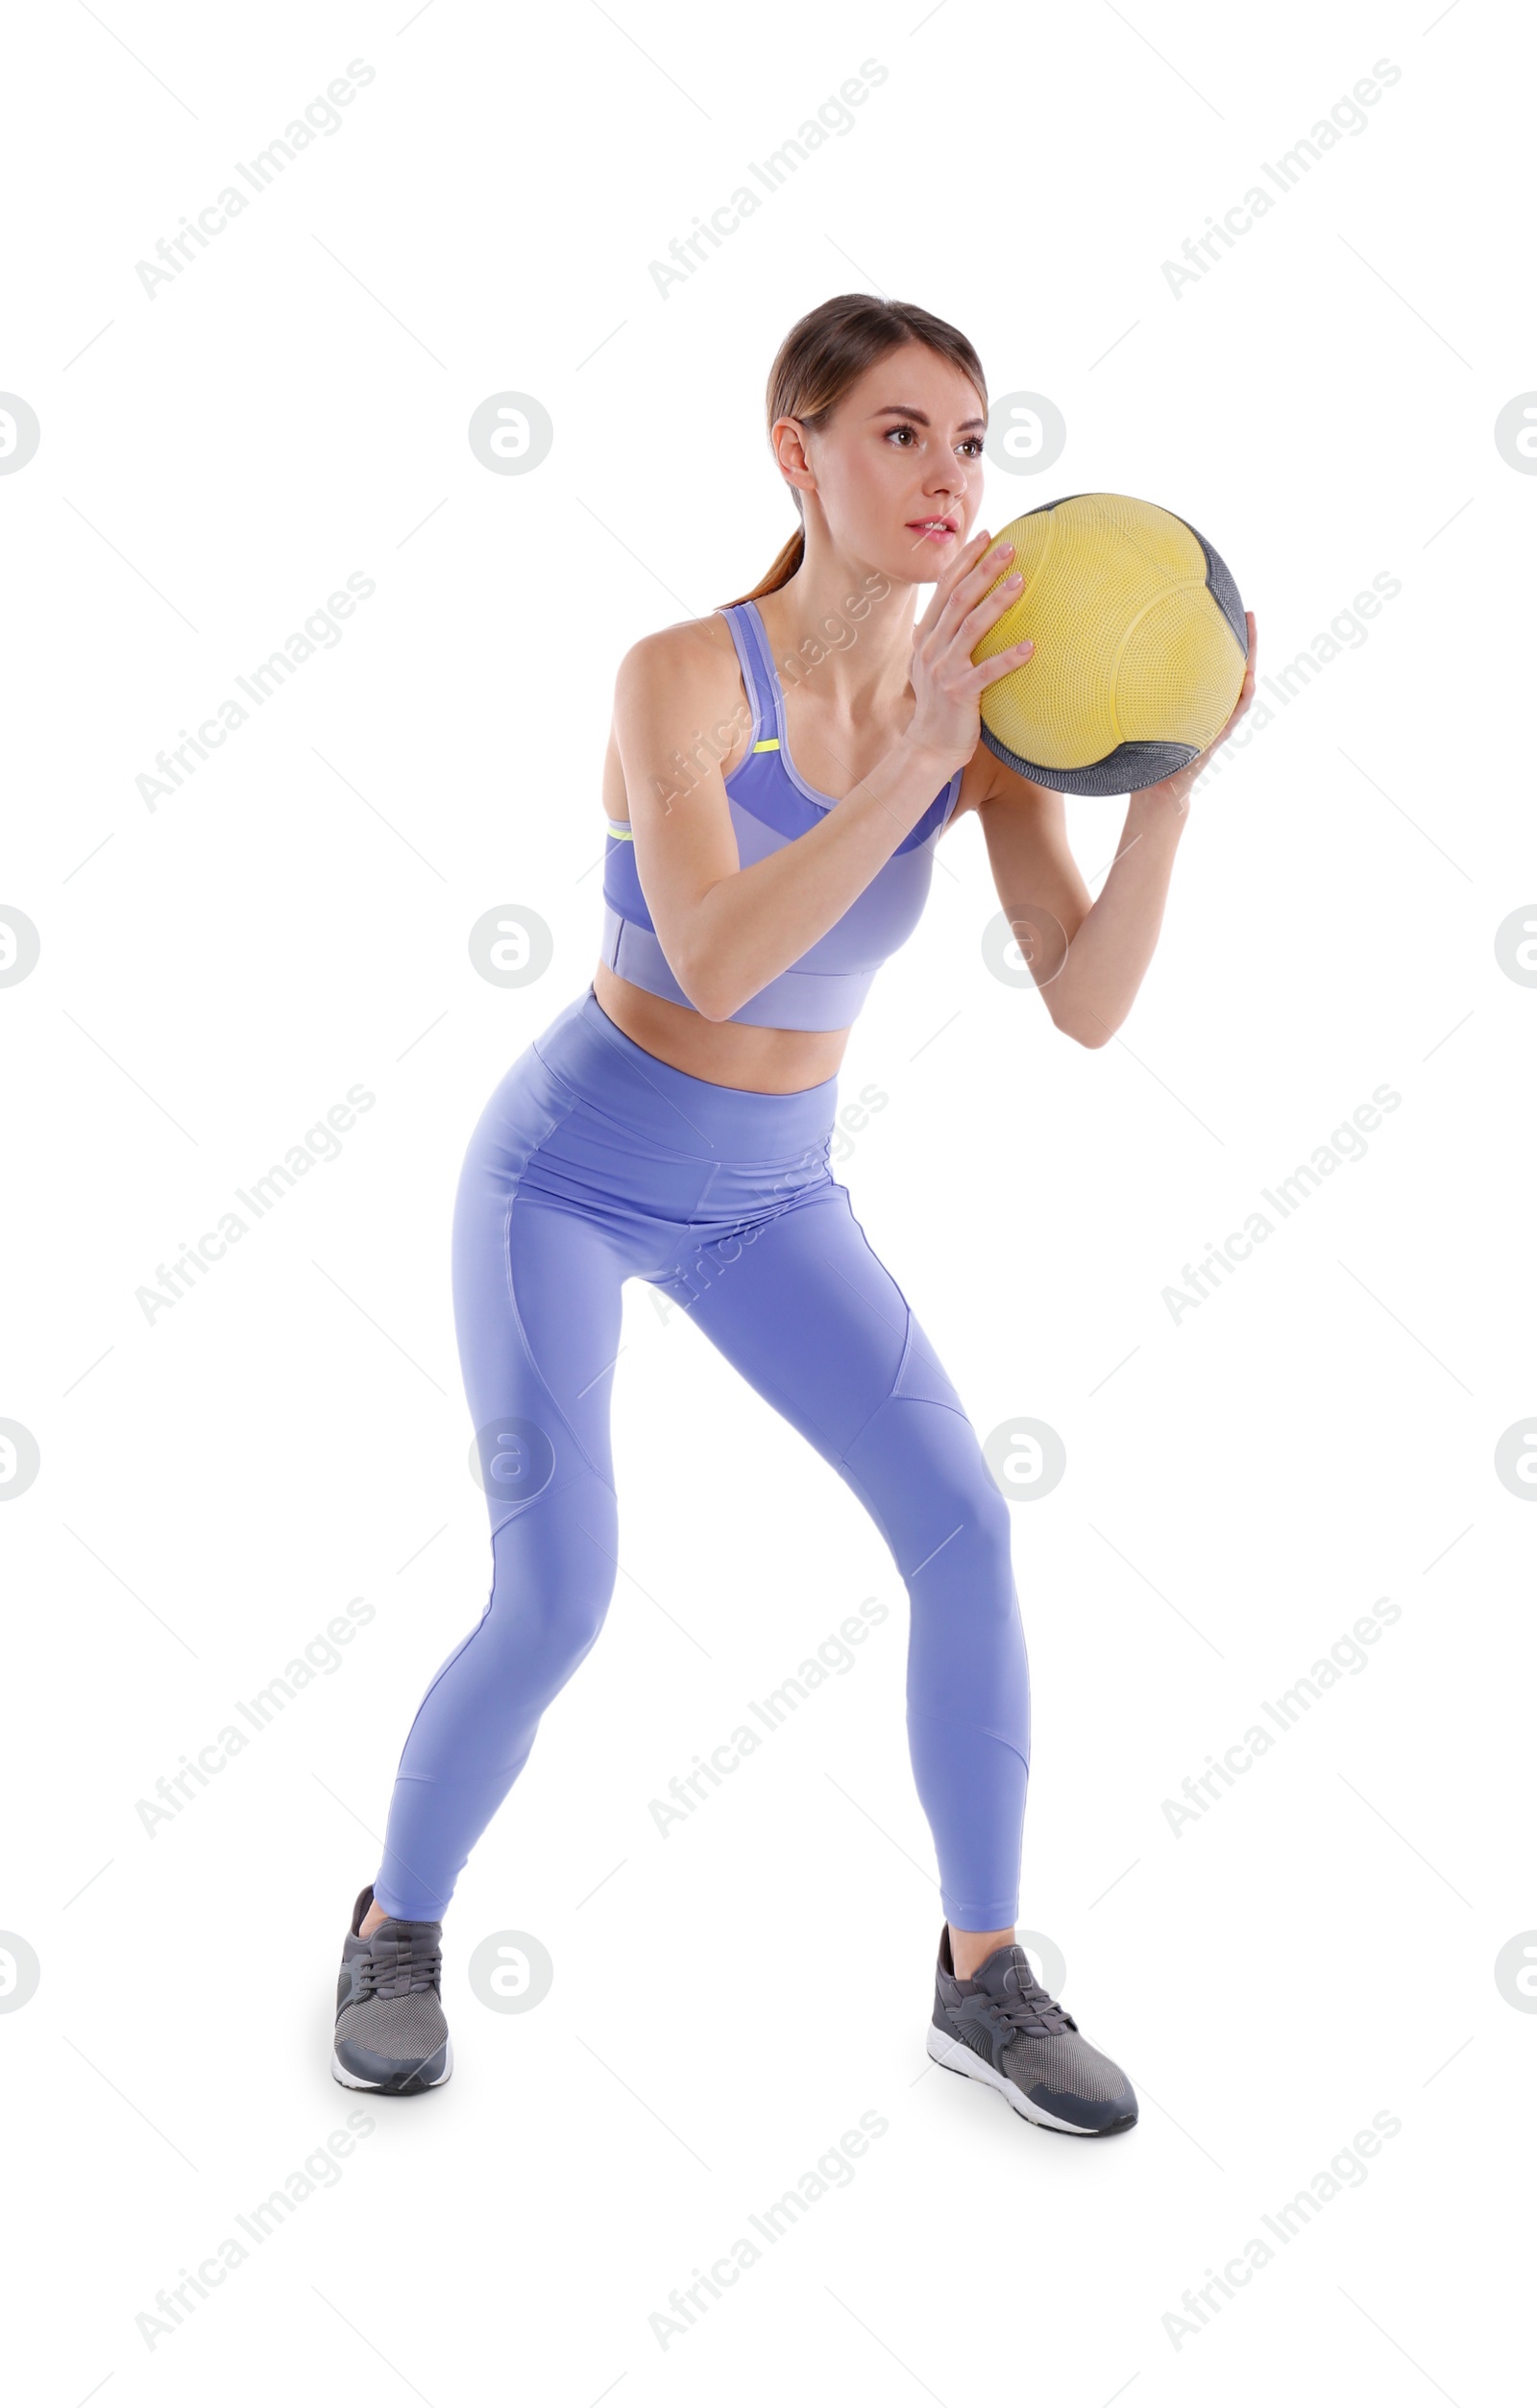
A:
<point x="932" y="533"/>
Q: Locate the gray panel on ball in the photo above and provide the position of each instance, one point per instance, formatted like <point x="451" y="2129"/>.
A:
<point x="1221" y="588"/>
<point x="1123" y="771"/>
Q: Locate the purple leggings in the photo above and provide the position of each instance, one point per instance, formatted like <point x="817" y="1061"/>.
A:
<point x="594" y="1162"/>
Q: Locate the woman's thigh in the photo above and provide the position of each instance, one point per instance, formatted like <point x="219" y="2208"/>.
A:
<point x="545" y="1233"/>
<point x="806" y="1310"/>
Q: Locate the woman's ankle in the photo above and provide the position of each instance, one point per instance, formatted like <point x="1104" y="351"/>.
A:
<point x="971" y="1950"/>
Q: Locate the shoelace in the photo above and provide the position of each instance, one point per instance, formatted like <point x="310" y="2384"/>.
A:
<point x="397" y="1967"/>
<point x="1033" y="2009"/>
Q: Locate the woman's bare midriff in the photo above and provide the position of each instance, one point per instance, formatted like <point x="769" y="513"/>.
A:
<point x="727" y="1053"/>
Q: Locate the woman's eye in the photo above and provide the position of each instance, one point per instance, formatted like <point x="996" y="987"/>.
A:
<point x="972" y="445"/>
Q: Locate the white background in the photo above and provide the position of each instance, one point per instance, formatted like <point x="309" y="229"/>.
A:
<point x="1241" y="1485"/>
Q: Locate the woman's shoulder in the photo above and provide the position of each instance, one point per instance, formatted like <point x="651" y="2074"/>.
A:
<point x="690" y="648"/>
<point x="689" y="669"/>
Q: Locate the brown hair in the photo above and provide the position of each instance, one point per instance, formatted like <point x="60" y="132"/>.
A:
<point x="823" y="353"/>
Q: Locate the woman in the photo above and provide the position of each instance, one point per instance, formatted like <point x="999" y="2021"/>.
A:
<point x="672" y="1124"/>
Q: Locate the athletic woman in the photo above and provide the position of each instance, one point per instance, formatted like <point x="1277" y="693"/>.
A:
<point x="672" y="1124"/>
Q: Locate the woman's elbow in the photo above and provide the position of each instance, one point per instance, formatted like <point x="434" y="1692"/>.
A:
<point x="702" y="986"/>
<point x="1090" y="1033"/>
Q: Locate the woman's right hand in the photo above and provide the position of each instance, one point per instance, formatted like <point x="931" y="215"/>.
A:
<point x="947" y="716"/>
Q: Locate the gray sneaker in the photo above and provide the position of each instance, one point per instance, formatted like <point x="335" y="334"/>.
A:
<point x="391" y="2032"/>
<point x="1002" y="2028"/>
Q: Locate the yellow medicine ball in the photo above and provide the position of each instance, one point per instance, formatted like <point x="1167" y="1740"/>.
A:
<point x="1140" y="646"/>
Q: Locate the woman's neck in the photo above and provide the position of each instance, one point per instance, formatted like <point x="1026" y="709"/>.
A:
<point x="865" y="659"/>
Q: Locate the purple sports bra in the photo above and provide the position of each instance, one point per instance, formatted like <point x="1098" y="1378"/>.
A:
<point x="771" y="806"/>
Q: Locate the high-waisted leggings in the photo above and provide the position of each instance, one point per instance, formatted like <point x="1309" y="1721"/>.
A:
<point x="594" y="1162"/>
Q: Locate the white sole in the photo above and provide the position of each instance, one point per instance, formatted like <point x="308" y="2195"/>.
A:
<point x="964" y="2060"/>
<point x="355" y="2081"/>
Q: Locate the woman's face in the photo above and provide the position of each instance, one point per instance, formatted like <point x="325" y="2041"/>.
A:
<point x="903" y="447"/>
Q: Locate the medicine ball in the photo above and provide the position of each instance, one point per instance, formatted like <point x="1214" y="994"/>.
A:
<point x="1140" y="646"/>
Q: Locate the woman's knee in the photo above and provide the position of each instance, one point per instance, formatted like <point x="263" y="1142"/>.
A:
<point x="945" y="1495"/>
<point x="553" y="1576"/>
<point x="986" y="1507"/>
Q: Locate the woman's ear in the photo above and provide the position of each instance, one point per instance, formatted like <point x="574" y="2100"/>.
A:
<point x="789" y="450"/>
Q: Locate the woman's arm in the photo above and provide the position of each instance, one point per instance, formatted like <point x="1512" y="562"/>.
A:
<point x="1089" y="959"/>
<point x="728" y="931"/>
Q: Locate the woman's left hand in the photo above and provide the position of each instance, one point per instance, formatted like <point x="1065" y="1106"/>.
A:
<point x="1176" y="791"/>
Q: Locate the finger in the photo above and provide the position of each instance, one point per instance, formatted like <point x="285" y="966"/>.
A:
<point x="945" y="584"/>
<point x="986" y="613"/>
<point x="1012" y="657"/>
<point x="965" y="559"/>
<point x="975" y="582"/>
<point x="1242" y="705"/>
<point x="1246" y="692"/>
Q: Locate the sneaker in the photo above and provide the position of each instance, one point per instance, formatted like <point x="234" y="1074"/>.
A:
<point x="391" y="2032"/>
<point x="1002" y="2028"/>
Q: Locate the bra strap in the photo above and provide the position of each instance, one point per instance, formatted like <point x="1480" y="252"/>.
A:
<point x="738" y="618"/>
<point x="773" y="711"/>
